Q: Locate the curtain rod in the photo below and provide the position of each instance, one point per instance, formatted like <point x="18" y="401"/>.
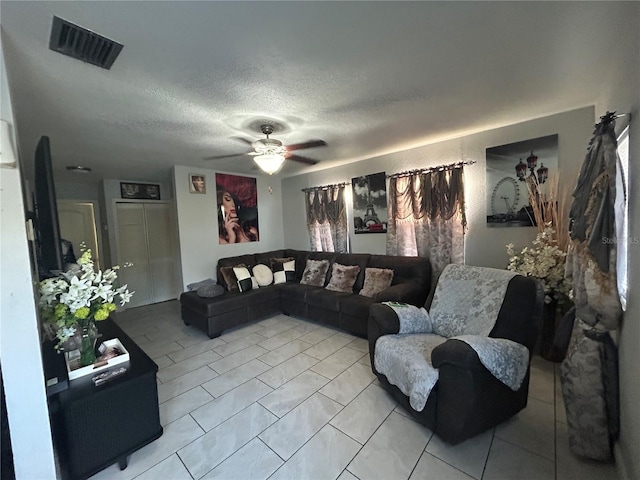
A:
<point x="609" y="116"/>
<point x="325" y="187"/>
<point x="449" y="166"/>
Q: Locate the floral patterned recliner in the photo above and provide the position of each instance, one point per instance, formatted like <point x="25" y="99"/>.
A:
<point x="461" y="367"/>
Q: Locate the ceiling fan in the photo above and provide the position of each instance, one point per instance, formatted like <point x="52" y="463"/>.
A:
<point x="270" y="153"/>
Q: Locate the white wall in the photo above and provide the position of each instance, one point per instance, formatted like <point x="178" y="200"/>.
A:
<point x="621" y="93"/>
<point x="22" y="372"/>
<point x="484" y="246"/>
<point x="198" y="223"/>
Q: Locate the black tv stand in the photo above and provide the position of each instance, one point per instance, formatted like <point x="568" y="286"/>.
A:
<point x="95" y="427"/>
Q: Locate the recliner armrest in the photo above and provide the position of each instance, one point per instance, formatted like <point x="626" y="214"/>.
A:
<point x="457" y="353"/>
<point x="382" y="321"/>
<point x="408" y="292"/>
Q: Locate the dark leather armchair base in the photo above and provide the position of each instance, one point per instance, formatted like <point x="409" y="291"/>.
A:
<point x="467" y="399"/>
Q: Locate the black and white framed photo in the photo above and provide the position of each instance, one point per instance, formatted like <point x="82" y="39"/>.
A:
<point x="140" y="191"/>
<point x="510" y="168"/>
<point x="197" y="183"/>
<point x="370" y="203"/>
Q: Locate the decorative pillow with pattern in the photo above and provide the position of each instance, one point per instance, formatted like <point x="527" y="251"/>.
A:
<point x="277" y="262"/>
<point x="376" y="280"/>
<point x="229" y="278"/>
<point x="202" y="283"/>
<point x="343" y="277"/>
<point x="263" y="275"/>
<point x="210" y="290"/>
<point x="287" y="273"/>
<point x="245" y="281"/>
<point x="315" y="272"/>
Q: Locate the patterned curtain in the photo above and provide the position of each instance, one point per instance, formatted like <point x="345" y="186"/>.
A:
<point x="426" y="217"/>
<point x="327" y="219"/>
<point x="589" y="373"/>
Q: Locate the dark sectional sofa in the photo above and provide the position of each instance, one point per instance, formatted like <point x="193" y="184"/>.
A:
<point x="348" y="311"/>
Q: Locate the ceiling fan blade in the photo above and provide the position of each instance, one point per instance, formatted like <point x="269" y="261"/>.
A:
<point x="309" y="144"/>
<point x="298" y="158"/>
<point x="220" y="157"/>
<point x="243" y="140"/>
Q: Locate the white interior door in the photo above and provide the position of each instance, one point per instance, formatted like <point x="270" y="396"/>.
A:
<point x="132" y="248"/>
<point x="161" y="252"/>
<point x="145" y="239"/>
<point x="78" y="225"/>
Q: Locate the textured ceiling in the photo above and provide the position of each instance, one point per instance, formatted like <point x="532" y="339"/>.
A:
<point x="367" y="77"/>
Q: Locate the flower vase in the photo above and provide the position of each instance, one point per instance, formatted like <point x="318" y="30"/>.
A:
<point x="550" y="318"/>
<point x="88" y="344"/>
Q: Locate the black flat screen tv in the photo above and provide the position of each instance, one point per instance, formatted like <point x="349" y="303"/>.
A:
<point x="47" y="227"/>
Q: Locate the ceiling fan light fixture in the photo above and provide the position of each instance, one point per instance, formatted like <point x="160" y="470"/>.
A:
<point x="78" y="169"/>
<point x="269" y="163"/>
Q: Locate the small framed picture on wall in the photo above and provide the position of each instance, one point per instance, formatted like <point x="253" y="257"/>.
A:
<point x="140" y="191"/>
<point x="197" y="183"/>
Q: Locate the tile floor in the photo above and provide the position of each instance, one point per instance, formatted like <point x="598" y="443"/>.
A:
<point x="285" y="398"/>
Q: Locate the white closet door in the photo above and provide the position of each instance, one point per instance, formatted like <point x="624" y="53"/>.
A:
<point x="161" y="261"/>
<point x="132" y="248"/>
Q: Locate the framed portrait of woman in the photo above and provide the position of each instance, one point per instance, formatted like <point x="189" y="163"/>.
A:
<point x="237" y="202"/>
<point x="197" y="183"/>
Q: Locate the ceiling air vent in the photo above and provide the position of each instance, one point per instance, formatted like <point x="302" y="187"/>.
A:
<point x="83" y="44"/>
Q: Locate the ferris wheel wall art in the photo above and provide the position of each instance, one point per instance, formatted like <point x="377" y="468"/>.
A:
<point x="509" y="167"/>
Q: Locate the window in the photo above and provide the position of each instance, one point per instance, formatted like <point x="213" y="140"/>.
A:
<point x="622" y="215"/>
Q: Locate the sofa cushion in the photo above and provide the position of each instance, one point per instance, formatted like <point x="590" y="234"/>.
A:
<point x="229" y="277"/>
<point x="265" y="258"/>
<point x="405" y="269"/>
<point x="359" y="259"/>
<point x="325" y="299"/>
<point x="329" y="256"/>
<point x="263" y="275"/>
<point x="295" y="292"/>
<point x="376" y="280"/>
<point x="301" y="260"/>
<point x="276" y="263"/>
<point x="201" y="283"/>
<point x="343" y="277"/>
<point x="245" y="260"/>
<point x="356" y="305"/>
<point x="246" y="281"/>
<point x="210" y="290"/>
<point x="284" y="269"/>
<point x="315" y="272"/>
<point x="208" y="307"/>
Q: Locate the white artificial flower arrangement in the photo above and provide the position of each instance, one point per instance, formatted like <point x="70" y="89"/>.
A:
<point x="78" y="298"/>
<point x="544" y="261"/>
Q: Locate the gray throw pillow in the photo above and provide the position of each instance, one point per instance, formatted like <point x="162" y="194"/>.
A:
<point x="202" y="283"/>
<point x="343" y="277"/>
<point x="210" y="290"/>
<point x="315" y="272"/>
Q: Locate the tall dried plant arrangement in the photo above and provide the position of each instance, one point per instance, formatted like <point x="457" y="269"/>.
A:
<point x="550" y="209"/>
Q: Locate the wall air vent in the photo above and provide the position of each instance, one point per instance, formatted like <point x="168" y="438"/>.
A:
<point x="83" y="44"/>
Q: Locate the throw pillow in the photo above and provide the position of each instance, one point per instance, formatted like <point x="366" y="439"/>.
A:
<point x="202" y="283"/>
<point x="287" y="274"/>
<point x="210" y="290"/>
<point x="375" y="281"/>
<point x="263" y="275"/>
<point x="315" y="272"/>
<point x="229" y="278"/>
<point x="276" y="263"/>
<point x="245" y="281"/>
<point x="343" y="277"/>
